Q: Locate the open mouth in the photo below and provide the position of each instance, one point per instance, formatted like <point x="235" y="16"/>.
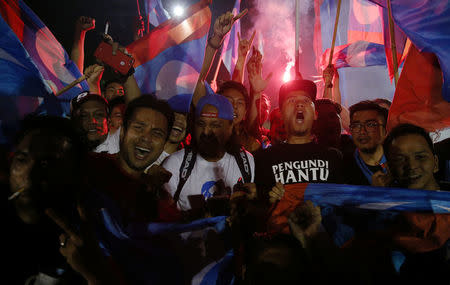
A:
<point x="363" y="140"/>
<point x="141" y="152"/>
<point x="413" y="178"/>
<point x="299" y="117"/>
<point x="177" y="129"/>
<point x="234" y="115"/>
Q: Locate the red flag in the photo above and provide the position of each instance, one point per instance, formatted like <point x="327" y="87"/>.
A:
<point x="418" y="96"/>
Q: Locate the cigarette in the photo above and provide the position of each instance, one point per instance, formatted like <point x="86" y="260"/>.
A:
<point x="16" y="194"/>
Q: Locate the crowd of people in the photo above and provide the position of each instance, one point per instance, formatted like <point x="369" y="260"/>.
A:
<point x="81" y="187"/>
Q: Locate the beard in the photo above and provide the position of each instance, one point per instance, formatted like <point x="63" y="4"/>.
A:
<point x="209" y="146"/>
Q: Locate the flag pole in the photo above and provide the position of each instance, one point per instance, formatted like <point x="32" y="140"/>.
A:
<point x="72" y="84"/>
<point x="393" y="46"/>
<point x="217" y="71"/>
<point x="336" y="22"/>
<point x="297" y="40"/>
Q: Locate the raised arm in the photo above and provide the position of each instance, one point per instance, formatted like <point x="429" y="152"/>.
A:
<point x="222" y="26"/>
<point x="244" y="48"/>
<point x="94" y="75"/>
<point x="82" y="25"/>
<point x="257" y="86"/>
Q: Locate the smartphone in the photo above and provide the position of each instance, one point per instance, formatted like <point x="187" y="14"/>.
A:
<point x="120" y="62"/>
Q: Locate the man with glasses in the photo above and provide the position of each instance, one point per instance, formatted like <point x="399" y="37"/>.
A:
<point x="368" y="130"/>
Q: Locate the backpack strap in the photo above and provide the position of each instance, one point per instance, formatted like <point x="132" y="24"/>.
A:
<point x="185" y="170"/>
<point x="244" y="165"/>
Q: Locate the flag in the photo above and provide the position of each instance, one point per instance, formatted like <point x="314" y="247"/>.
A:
<point x="155" y="12"/>
<point x="357" y="54"/>
<point x="425" y="23"/>
<point x="418" y="98"/>
<point x="231" y="42"/>
<point x="374" y="207"/>
<point x="359" y="21"/>
<point x="400" y="39"/>
<point x="170" y="57"/>
<point x="34" y="66"/>
<point x="364" y="22"/>
<point x="147" y="262"/>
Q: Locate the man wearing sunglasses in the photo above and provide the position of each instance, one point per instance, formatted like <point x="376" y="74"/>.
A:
<point x="368" y="130"/>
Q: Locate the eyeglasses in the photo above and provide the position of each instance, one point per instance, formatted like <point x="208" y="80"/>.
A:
<point x="369" y="126"/>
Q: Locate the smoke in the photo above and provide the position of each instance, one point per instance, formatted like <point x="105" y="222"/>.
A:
<point x="274" y="21"/>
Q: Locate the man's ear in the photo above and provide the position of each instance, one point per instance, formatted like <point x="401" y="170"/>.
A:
<point x="436" y="164"/>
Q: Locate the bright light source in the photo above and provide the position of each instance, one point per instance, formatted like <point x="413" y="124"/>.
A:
<point x="178" y="11"/>
<point x="287" y="72"/>
<point x="286" y="76"/>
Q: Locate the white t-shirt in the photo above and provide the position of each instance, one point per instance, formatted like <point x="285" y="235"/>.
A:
<point x="111" y="145"/>
<point x="204" y="176"/>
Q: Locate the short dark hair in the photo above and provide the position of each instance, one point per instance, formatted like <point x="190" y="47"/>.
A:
<point x="325" y="101"/>
<point x="368" y="105"/>
<point x="51" y="126"/>
<point x="237" y="86"/>
<point x="116" y="101"/>
<point x="403" y="130"/>
<point x="383" y="101"/>
<point x="107" y="82"/>
<point x="151" y="102"/>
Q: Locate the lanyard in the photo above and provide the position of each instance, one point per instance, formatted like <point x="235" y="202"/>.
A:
<point x="363" y="166"/>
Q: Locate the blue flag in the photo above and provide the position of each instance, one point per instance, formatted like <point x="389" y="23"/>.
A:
<point x="170" y="57"/>
<point x="357" y="54"/>
<point x="155" y="12"/>
<point x="33" y="65"/>
<point x="231" y="42"/>
<point x="426" y="25"/>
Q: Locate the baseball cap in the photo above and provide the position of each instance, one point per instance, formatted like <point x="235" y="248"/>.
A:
<point x="307" y="86"/>
<point x="85" y="96"/>
<point x="223" y="106"/>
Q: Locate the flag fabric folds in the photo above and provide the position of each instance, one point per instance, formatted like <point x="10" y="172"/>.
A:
<point x="357" y="54"/>
<point x="35" y="66"/>
<point x="426" y="213"/>
<point x="418" y="98"/>
<point x="374" y="208"/>
<point x="155" y="12"/>
<point x="359" y="21"/>
<point x="169" y="58"/>
<point x="425" y="23"/>
<point x="231" y="42"/>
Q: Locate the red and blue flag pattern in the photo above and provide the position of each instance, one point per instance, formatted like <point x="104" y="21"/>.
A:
<point x="357" y="54"/>
<point x="425" y="24"/>
<point x="231" y="42"/>
<point x="170" y="57"/>
<point x="33" y="65"/>
<point x="155" y="12"/>
<point x="360" y="21"/>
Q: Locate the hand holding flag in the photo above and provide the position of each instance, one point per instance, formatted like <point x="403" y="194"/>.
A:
<point x="224" y="23"/>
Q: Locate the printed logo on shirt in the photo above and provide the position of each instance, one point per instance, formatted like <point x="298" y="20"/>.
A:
<point x="315" y="170"/>
<point x="207" y="187"/>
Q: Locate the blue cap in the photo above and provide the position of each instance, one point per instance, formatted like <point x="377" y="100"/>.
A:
<point x="224" y="107"/>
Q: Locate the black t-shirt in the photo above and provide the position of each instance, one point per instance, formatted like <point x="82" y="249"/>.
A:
<point x="353" y="173"/>
<point x="297" y="163"/>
